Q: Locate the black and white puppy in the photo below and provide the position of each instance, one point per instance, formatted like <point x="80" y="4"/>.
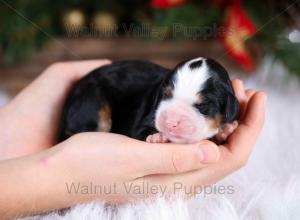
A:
<point x="142" y="100"/>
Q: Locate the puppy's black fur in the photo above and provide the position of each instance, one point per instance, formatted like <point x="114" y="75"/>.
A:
<point x="131" y="91"/>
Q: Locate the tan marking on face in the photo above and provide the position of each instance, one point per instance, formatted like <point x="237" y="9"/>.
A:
<point x="104" y="123"/>
<point x="199" y="99"/>
<point x="214" y="123"/>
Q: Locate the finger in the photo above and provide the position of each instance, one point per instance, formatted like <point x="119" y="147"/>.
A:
<point x="192" y="180"/>
<point x="61" y="76"/>
<point x="175" y="158"/>
<point x="71" y="71"/>
<point x="244" y="137"/>
<point x="239" y="92"/>
<point x="250" y="93"/>
<point x="238" y="88"/>
<point x="79" y="69"/>
<point x="43" y="99"/>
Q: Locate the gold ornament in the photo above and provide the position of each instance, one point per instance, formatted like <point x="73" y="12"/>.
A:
<point x="73" y="18"/>
<point x="104" y="21"/>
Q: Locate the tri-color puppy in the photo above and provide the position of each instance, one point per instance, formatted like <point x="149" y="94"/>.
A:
<point x="142" y="100"/>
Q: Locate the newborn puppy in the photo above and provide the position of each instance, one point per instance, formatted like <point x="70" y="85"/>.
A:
<point x="142" y="100"/>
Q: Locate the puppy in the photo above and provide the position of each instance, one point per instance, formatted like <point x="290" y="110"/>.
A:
<point x="142" y="100"/>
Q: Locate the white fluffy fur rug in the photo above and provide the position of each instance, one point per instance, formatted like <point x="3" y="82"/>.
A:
<point x="268" y="187"/>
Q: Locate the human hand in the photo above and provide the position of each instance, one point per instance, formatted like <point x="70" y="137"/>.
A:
<point x="128" y="161"/>
<point x="234" y="153"/>
<point x="163" y="165"/>
<point x="28" y="127"/>
<point x="112" y="160"/>
<point x="29" y="122"/>
<point x="91" y="166"/>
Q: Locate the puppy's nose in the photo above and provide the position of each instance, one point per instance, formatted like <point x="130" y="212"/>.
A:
<point x="171" y="123"/>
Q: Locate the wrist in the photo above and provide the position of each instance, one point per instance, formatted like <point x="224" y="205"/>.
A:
<point x="32" y="184"/>
<point x="54" y="170"/>
<point x="66" y="170"/>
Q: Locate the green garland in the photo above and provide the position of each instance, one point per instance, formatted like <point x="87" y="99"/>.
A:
<point x="19" y="37"/>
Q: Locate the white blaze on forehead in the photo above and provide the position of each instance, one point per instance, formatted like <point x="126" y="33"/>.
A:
<point x="188" y="82"/>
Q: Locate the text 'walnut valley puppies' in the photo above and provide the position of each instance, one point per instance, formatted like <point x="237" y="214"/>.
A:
<point x="142" y="100"/>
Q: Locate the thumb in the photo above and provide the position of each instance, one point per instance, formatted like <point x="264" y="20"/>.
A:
<point x="176" y="158"/>
<point x="81" y="68"/>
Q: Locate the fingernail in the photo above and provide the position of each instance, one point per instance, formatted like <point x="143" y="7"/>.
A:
<point x="210" y="152"/>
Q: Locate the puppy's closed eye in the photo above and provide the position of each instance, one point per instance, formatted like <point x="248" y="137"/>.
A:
<point x="207" y="109"/>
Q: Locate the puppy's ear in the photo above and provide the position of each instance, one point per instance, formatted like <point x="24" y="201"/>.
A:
<point x="232" y="108"/>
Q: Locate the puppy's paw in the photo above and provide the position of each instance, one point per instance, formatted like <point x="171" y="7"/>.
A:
<point x="157" y="138"/>
<point x="226" y="131"/>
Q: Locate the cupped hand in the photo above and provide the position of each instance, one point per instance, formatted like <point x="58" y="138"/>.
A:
<point x="29" y="122"/>
<point x="125" y="162"/>
<point x="234" y="153"/>
<point x="115" y="162"/>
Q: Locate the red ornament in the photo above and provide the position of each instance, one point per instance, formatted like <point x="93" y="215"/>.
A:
<point x="166" y="4"/>
<point x="237" y="29"/>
